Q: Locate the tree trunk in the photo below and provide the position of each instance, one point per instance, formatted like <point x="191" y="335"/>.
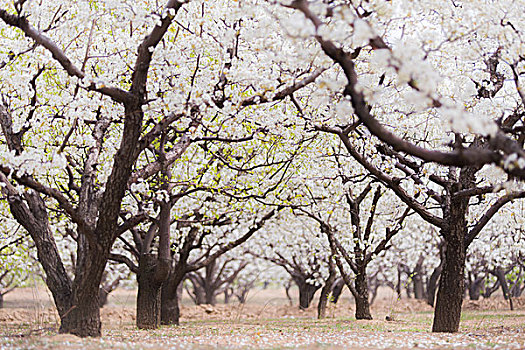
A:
<point x="432" y="285"/>
<point x="398" y="283"/>
<point x="83" y="318"/>
<point x="452" y="282"/>
<point x="1" y="301"/>
<point x="170" y="312"/>
<point x="102" y="297"/>
<point x="209" y="296"/>
<point x="337" y="290"/>
<point x="474" y="287"/>
<point x="325" y="292"/>
<point x="516" y="289"/>
<point x="242" y="295"/>
<point x="419" y="287"/>
<point x="227" y="295"/>
<point x="199" y="294"/>
<point x="33" y="217"/>
<point x="362" y="305"/>
<point x="450" y="294"/>
<point x="306" y="293"/>
<point x="417" y="280"/>
<point x="287" y="287"/>
<point x="149" y="291"/>
<point x="504" y="286"/>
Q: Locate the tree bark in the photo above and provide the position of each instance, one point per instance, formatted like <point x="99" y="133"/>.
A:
<point x="149" y="291"/>
<point x="504" y="286"/>
<point x="102" y="297"/>
<point x="452" y="283"/>
<point x="362" y="304"/>
<point x="306" y="293"/>
<point x="33" y="217"/>
<point x="83" y="318"/>
<point x="450" y="294"/>
<point x="209" y="296"/>
<point x="432" y="285"/>
<point x="170" y="311"/>
<point x="474" y="287"/>
<point x="337" y="290"/>
<point x="325" y="292"/>
<point x="417" y="280"/>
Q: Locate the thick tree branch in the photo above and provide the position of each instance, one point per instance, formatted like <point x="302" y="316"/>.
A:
<point x="458" y="157"/>
<point x="22" y="23"/>
<point x="124" y="260"/>
<point x="147" y="47"/>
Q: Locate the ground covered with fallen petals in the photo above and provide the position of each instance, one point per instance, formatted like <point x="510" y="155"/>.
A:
<point x="269" y="323"/>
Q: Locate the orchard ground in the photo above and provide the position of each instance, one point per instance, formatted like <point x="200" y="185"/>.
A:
<point x="29" y="321"/>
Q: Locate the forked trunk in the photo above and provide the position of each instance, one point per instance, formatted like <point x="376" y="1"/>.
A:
<point x="306" y="294"/>
<point x="200" y="296"/>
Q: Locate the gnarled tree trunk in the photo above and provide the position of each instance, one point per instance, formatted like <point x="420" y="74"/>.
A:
<point x="83" y="318"/>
